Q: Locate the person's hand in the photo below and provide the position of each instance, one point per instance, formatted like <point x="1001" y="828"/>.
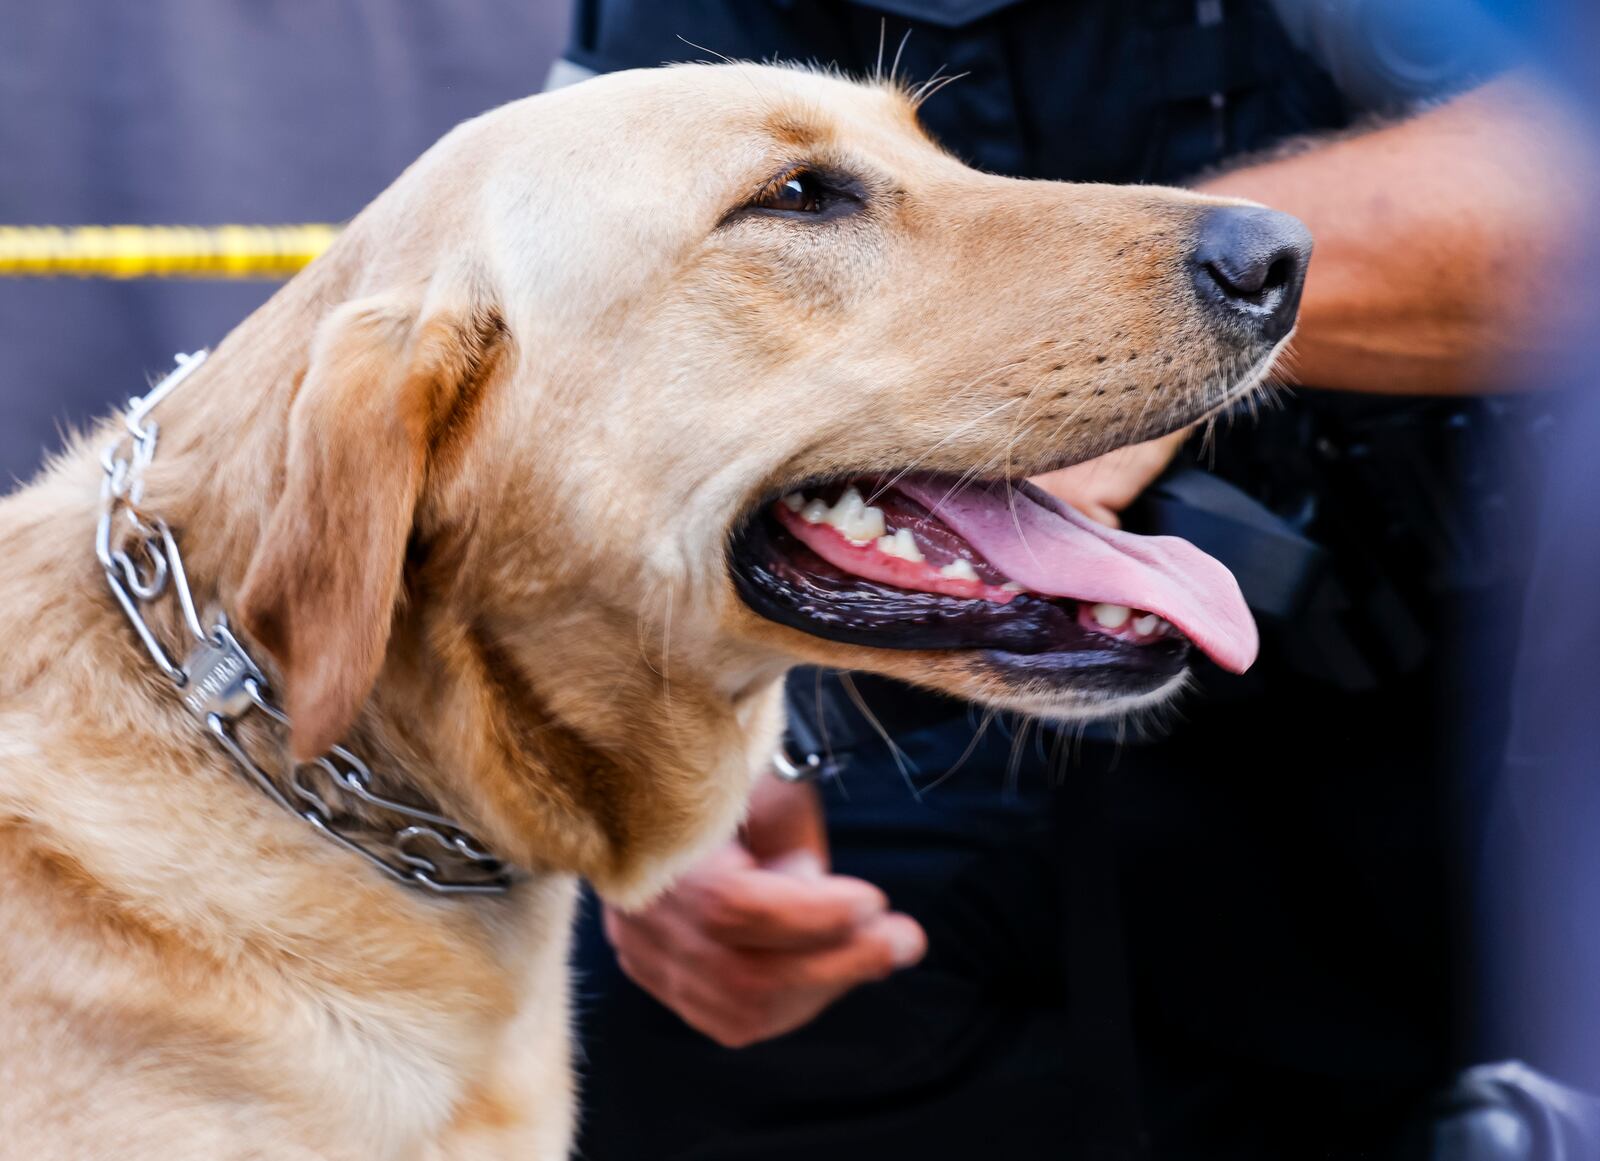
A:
<point x="758" y="937"/>
<point x="1102" y="487"/>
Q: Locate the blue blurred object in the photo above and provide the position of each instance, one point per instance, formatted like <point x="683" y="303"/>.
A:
<point x="1391" y="54"/>
<point x="1540" y="866"/>
<point x="1509" y="1112"/>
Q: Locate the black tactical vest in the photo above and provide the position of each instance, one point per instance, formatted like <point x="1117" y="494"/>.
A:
<point x="1365" y="530"/>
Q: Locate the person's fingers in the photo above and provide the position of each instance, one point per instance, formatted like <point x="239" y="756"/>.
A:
<point x="876" y="950"/>
<point x="801" y="864"/>
<point x="667" y="958"/>
<point x="785" y="819"/>
<point x="624" y="931"/>
<point x="744" y="952"/>
<point x="1099" y="513"/>
<point x="762" y="908"/>
<point x="731" y="900"/>
<point x="737" y="1020"/>
<point x="755" y="996"/>
<point x="717" y="991"/>
<point x="1102" y="487"/>
<point x="740" y="998"/>
<point x="645" y="968"/>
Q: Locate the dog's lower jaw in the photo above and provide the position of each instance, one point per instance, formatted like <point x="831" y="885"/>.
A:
<point x="1089" y="709"/>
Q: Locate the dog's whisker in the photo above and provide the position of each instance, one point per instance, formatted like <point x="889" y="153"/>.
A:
<point x="822" y="729"/>
<point x="930" y="88"/>
<point x="894" y="69"/>
<point x="895" y="751"/>
<point x="976" y="384"/>
<point x="1014" y="760"/>
<point x="977" y="470"/>
<point x="765" y="98"/>
<point x="972" y="746"/>
<point x="956" y="433"/>
<point x="1016" y="520"/>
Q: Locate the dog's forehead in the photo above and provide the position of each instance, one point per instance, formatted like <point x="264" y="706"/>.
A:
<point x="658" y="157"/>
<point x="695" y="109"/>
<point x="805" y="111"/>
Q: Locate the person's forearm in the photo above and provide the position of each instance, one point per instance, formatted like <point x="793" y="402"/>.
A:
<point x="1442" y="243"/>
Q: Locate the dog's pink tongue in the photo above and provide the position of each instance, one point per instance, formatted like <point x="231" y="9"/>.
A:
<point x="1051" y="548"/>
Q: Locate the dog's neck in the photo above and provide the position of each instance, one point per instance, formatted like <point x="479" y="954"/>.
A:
<point x="603" y="770"/>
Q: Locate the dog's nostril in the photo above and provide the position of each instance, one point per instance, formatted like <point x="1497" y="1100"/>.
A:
<point x="1254" y="280"/>
<point x="1235" y="285"/>
<point x="1250" y="262"/>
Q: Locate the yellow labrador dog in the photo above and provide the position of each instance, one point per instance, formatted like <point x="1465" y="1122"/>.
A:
<point x="621" y="401"/>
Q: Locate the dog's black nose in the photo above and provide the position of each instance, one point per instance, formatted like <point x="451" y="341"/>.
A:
<point x="1250" y="265"/>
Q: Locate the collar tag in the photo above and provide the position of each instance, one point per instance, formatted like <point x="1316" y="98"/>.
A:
<point x="219" y="675"/>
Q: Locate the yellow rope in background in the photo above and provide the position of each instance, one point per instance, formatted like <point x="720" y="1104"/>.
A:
<point x="160" y="251"/>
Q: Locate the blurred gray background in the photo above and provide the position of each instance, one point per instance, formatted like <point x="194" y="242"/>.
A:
<point x="194" y="112"/>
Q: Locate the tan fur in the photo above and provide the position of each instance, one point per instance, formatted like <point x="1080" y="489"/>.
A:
<point x="466" y="484"/>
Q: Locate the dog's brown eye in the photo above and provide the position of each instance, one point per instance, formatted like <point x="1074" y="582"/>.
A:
<point x="799" y="192"/>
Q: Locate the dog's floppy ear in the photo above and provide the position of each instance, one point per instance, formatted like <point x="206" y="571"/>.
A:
<point x="386" y="375"/>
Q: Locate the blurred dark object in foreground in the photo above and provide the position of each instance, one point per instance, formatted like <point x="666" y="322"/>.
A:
<point x="1539" y="864"/>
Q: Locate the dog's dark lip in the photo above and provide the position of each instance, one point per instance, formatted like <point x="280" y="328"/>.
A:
<point x="1033" y="638"/>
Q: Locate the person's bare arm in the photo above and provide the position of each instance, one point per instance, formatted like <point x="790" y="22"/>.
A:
<point x="1442" y="256"/>
<point x="1443" y="242"/>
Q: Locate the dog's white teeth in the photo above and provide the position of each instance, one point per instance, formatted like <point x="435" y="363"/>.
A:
<point x="1147" y="624"/>
<point x="900" y="543"/>
<point x="1111" y="616"/>
<point x="854" y="519"/>
<point x="794" y="501"/>
<point x="868" y="526"/>
<point x="1013" y="587"/>
<point x="816" y="512"/>
<point x="958" y="570"/>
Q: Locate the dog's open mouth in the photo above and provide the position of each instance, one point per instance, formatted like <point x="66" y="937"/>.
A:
<point x="1040" y="591"/>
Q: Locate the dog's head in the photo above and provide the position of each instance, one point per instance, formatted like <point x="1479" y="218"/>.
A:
<point x="679" y="376"/>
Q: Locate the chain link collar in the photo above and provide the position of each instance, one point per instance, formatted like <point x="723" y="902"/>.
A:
<point x="220" y="685"/>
